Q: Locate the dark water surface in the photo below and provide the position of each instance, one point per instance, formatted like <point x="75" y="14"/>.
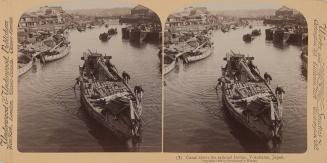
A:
<point x="50" y="117"/>
<point x="195" y="119"/>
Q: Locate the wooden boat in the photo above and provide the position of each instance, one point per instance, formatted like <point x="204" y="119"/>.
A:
<point x="169" y="64"/>
<point x="135" y="34"/>
<point x="104" y="36"/>
<point x="125" y="32"/>
<point x="107" y="97"/>
<point x="144" y="34"/>
<point x="25" y="63"/>
<point x="269" y="33"/>
<point x="249" y="99"/>
<point x="225" y="29"/>
<point x="280" y="36"/>
<point x="112" y="31"/>
<point x="59" y="51"/>
<point x="304" y="57"/>
<point x="81" y="28"/>
<point x="247" y="38"/>
<point x="201" y="52"/>
<point x="256" y="32"/>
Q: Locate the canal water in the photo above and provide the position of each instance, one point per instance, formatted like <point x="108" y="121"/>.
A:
<point x="195" y="119"/>
<point x="50" y="116"/>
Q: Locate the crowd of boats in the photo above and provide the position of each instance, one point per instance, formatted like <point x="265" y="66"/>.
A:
<point x="250" y="36"/>
<point x="290" y="34"/>
<point x="149" y="32"/>
<point x="51" y="46"/>
<point x="105" y="36"/>
<point x="187" y="47"/>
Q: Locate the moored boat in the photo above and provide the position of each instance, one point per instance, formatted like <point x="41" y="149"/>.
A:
<point x="249" y="99"/>
<point x="59" y="51"/>
<point x="247" y="38"/>
<point x="280" y="36"/>
<point x="81" y="28"/>
<point x="125" y="32"/>
<point x="269" y="33"/>
<point x="304" y="57"/>
<point x="112" y="31"/>
<point x="25" y="63"/>
<point x="201" y="52"/>
<point x="256" y="32"/>
<point x="107" y="98"/>
<point x="104" y="36"/>
<point x="169" y="61"/>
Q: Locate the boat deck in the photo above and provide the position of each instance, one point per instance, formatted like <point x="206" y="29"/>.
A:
<point x="106" y="90"/>
<point x="246" y="91"/>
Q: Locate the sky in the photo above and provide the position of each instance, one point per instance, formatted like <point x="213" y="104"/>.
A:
<point x="232" y="5"/>
<point x="213" y="5"/>
<point x="90" y="4"/>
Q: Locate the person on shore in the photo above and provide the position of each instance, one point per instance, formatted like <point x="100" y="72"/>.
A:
<point x="126" y="76"/>
<point x="279" y="91"/>
<point x="267" y="77"/>
<point x="138" y="90"/>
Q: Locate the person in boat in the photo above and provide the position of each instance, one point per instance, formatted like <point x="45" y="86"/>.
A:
<point x="126" y="76"/>
<point x="252" y="66"/>
<point x="109" y="64"/>
<point x="267" y="77"/>
<point x="76" y="83"/>
<point x="138" y="90"/>
<point x="279" y="91"/>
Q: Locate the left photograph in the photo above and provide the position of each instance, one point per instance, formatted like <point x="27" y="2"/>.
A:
<point x="89" y="78"/>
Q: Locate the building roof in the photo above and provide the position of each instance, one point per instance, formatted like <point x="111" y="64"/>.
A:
<point x="284" y="8"/>
<point x="140" y="7"/>
<point x="28" y="15"/>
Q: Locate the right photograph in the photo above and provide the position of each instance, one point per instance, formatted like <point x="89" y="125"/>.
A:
<point x="235" y="79"/>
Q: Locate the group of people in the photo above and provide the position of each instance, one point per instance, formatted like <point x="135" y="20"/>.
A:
<point x="138" y="90"/>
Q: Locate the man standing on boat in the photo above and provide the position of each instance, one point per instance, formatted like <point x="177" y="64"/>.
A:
<point x="267" y="77"/>
<point x="279" y="91"/>
<point x="109" y="64"/>
<point x="138" y="90"/>
<point x="126" y="76"/>
<point x="252" y="66"/>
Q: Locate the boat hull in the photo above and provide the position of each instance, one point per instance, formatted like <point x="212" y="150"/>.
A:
<point x="25" y="68"/>
<point x="262" y="135"/>
<point x="119" y="116"/>
<point x="170" y="67"/>
<point x="206" y="54"/>
<point x="62" y="54"/>
<point x="119" y="133"/>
